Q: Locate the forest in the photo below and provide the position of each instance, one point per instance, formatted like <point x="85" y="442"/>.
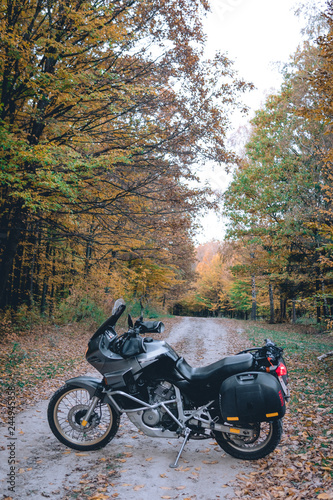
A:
<point x="109" y="111"/>
<point x="107" y="108"/>
<point x="276" y="262"/>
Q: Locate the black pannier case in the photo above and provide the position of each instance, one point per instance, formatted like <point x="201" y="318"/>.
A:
<point x="251" y="397"/>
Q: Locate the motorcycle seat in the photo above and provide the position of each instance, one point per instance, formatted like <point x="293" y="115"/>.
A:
<point x="218" y="370"/>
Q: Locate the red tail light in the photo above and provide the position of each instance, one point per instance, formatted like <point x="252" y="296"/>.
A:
<point x="281" y="370"/>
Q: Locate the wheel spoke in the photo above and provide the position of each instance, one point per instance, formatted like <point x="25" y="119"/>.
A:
<point x="69" y="413"/>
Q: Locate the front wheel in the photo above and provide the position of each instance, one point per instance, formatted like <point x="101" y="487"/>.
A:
<point x="267" y="436"/>
<point x="66" y="411"/>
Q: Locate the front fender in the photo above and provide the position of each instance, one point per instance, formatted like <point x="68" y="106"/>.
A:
<point x="91" y="384"/>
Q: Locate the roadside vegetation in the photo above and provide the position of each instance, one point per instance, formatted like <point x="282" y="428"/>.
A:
<point x="302" y="466"/>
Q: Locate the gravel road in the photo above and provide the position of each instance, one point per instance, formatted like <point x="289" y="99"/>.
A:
<point x="132" y="465"/>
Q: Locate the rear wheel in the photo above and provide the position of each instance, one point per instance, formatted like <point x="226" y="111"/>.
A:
<point x="267" y="436"/>
<point x="66" y="410"/>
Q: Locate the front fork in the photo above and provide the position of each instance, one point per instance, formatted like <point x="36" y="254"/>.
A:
<point x="91" y="408"/>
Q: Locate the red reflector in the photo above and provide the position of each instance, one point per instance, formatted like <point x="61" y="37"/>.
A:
<point x="281" y="370"/>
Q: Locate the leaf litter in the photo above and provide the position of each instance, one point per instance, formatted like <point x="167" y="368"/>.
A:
<point x="300" y="468"/>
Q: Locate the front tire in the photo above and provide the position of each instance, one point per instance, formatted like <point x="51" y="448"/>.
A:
<point x="65" y="413"/>
<point x="267" y="437"/>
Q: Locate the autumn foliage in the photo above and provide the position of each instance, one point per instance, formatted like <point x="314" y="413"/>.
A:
<point x="106" y="106"/>
<point x="277" y="262"/>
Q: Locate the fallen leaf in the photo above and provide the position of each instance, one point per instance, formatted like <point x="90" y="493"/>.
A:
<point x="99" y="496"/>
<point x="138" y="487"/>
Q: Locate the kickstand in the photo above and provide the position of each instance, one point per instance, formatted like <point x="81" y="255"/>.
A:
<point x="187" y="435"/>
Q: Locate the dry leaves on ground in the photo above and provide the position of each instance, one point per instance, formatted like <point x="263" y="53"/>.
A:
<point x="302" y="466"/>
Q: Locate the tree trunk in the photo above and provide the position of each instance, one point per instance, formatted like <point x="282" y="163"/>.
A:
<point x="254" y="299"/>
<point x="271" y="303"/>
<point x="294" y="311"/>
<point x="283" y="308"/>
<point x="44" y="295"/>
<point x="325" y="305"/>
<point x="8" y="255"/>
<point x="318" y="305"/>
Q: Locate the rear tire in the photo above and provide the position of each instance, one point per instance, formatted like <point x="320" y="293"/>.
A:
<point x="65" y="413"/>
<point x="267" y="439"/>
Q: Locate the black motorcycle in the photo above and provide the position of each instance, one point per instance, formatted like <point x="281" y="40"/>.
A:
<point x="239" y="400"/>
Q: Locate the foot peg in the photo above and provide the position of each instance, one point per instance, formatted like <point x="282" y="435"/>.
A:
<point x="186" y="437"/>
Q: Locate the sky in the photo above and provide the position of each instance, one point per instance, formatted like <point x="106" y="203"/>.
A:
<point x="259" y="36"/>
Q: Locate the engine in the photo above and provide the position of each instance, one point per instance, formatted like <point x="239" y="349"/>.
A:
<point x="159" y="392"/>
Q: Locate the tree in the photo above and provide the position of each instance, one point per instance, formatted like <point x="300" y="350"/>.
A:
<point x="276" y="197"/>
<point x="105" y="108"/>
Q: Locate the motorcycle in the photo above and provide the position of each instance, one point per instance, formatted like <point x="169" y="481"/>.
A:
<point x="239" y="401"/>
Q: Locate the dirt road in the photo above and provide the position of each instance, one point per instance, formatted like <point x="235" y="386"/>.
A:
<point x="132" y="465"/>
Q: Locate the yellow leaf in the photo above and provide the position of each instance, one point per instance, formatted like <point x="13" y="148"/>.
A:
<point x="325" y="496"/>
<point x="149" y="459"/>
<point x="138" y="487"/>
<point x="82" y="454"/>
<point x="99" y="496"/>
<point x="209" y="462"/>
<point x="180" y="487"/>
